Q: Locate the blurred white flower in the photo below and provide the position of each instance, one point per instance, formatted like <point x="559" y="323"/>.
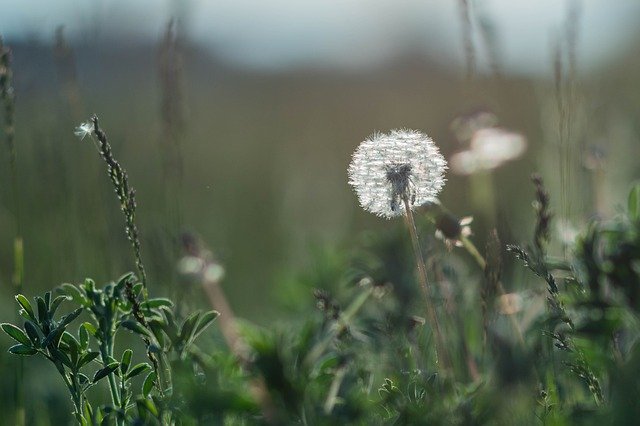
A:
<point x="387" y="168"/>
<point x="567" y="232"/>
<point x="510" y="303"/>
<point x="83" y="130"/>
<point x="489" y="148"/>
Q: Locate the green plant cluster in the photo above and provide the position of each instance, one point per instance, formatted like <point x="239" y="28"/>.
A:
<point x="86" y="357"/>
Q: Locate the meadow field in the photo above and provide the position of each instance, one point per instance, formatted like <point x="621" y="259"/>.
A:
<point x="507" y="293"/>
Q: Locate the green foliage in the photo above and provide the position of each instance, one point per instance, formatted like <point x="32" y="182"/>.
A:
<point x="109" y="311"/>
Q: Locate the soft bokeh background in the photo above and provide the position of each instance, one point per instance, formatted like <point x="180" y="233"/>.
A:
<point x="274" y="97"/>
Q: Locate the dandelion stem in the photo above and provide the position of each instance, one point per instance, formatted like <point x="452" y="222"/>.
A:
<point x="424" y="283"/>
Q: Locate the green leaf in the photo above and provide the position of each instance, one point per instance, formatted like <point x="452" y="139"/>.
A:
<point x="88" y="412"/>
<point x="24" y="302"/>
<point x="22" y="350"/>
<point x="87" y="358"/>
<point x="16" y="333"/>
<point x="188" y="326"/>
<point x="65" y="320"/>
<point x="156" y="303"/>
<point x="53" y="337"/>
<point x="138" y="369"/>
<point x="62" y="356"/>
<point x="26" y="316"/>
<point x="75" y="294"/>
<point x="205" y="321"/>
<point x="126" y="361"/>
<point x="148" y="383"/>
<point x="84" y="337"/>
<point x="42" y="310"/>
<point x="34" y="333"/>
<point x="146" y="406"/>
<point x="137" y="288"/>
<point x="90" y="328"/>
<point x="634" y="203"/>
<point x="122" y="281"/>
<point x="70" y="340"/>
<point x="156" y="329"/>
<point x="104" y="372"/>
<point x="134" y="326"/>
<point x="89" y="285"/>
<point x="55" y="304"/>
<point x="74" y="346"/>
<point x="83" y="379"/>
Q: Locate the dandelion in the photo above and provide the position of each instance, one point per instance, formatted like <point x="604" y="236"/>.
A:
<point x="392" y="174"/>
<point x="388" y="170"/>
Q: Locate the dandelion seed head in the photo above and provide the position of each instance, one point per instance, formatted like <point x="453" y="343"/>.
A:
<point x="387" y="167"/>
<point x="83" y="130"/>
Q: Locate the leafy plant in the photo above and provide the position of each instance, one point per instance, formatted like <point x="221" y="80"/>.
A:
<point x="109" y="311"/>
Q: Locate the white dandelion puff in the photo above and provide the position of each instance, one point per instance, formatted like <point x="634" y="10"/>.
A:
<point x="388" y="169"/>
<point x="83" y="130"/>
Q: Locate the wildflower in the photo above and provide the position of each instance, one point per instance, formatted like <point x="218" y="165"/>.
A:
<point x="83" y="130"/>
<point x="452" y="230"/>
<point x="489" y="148"/>
<point x="388" y="170"/>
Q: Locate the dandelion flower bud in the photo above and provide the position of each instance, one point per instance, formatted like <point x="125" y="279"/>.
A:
<point x="388" y="169"/>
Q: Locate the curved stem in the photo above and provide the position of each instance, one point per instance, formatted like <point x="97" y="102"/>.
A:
<point x="441" y="350"/>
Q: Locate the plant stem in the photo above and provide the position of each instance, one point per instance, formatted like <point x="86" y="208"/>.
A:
<point x="424" y="284"/>
<point x="106" y="352"/>
<point x="237" y="345"/>
<point x="473" y="251"/>
<point x="332" y="397"/>
<point x="342" y="324"/>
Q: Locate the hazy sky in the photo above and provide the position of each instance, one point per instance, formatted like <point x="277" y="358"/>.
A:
<point x="277" y="34"/>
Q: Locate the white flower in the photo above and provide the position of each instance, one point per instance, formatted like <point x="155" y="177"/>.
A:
<point x="388" y="168"/>
<point x="83" y="130"/>
<point x="489" y="149"/>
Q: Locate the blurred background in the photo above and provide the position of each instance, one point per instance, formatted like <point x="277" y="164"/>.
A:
<point x="237" y="120"/>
